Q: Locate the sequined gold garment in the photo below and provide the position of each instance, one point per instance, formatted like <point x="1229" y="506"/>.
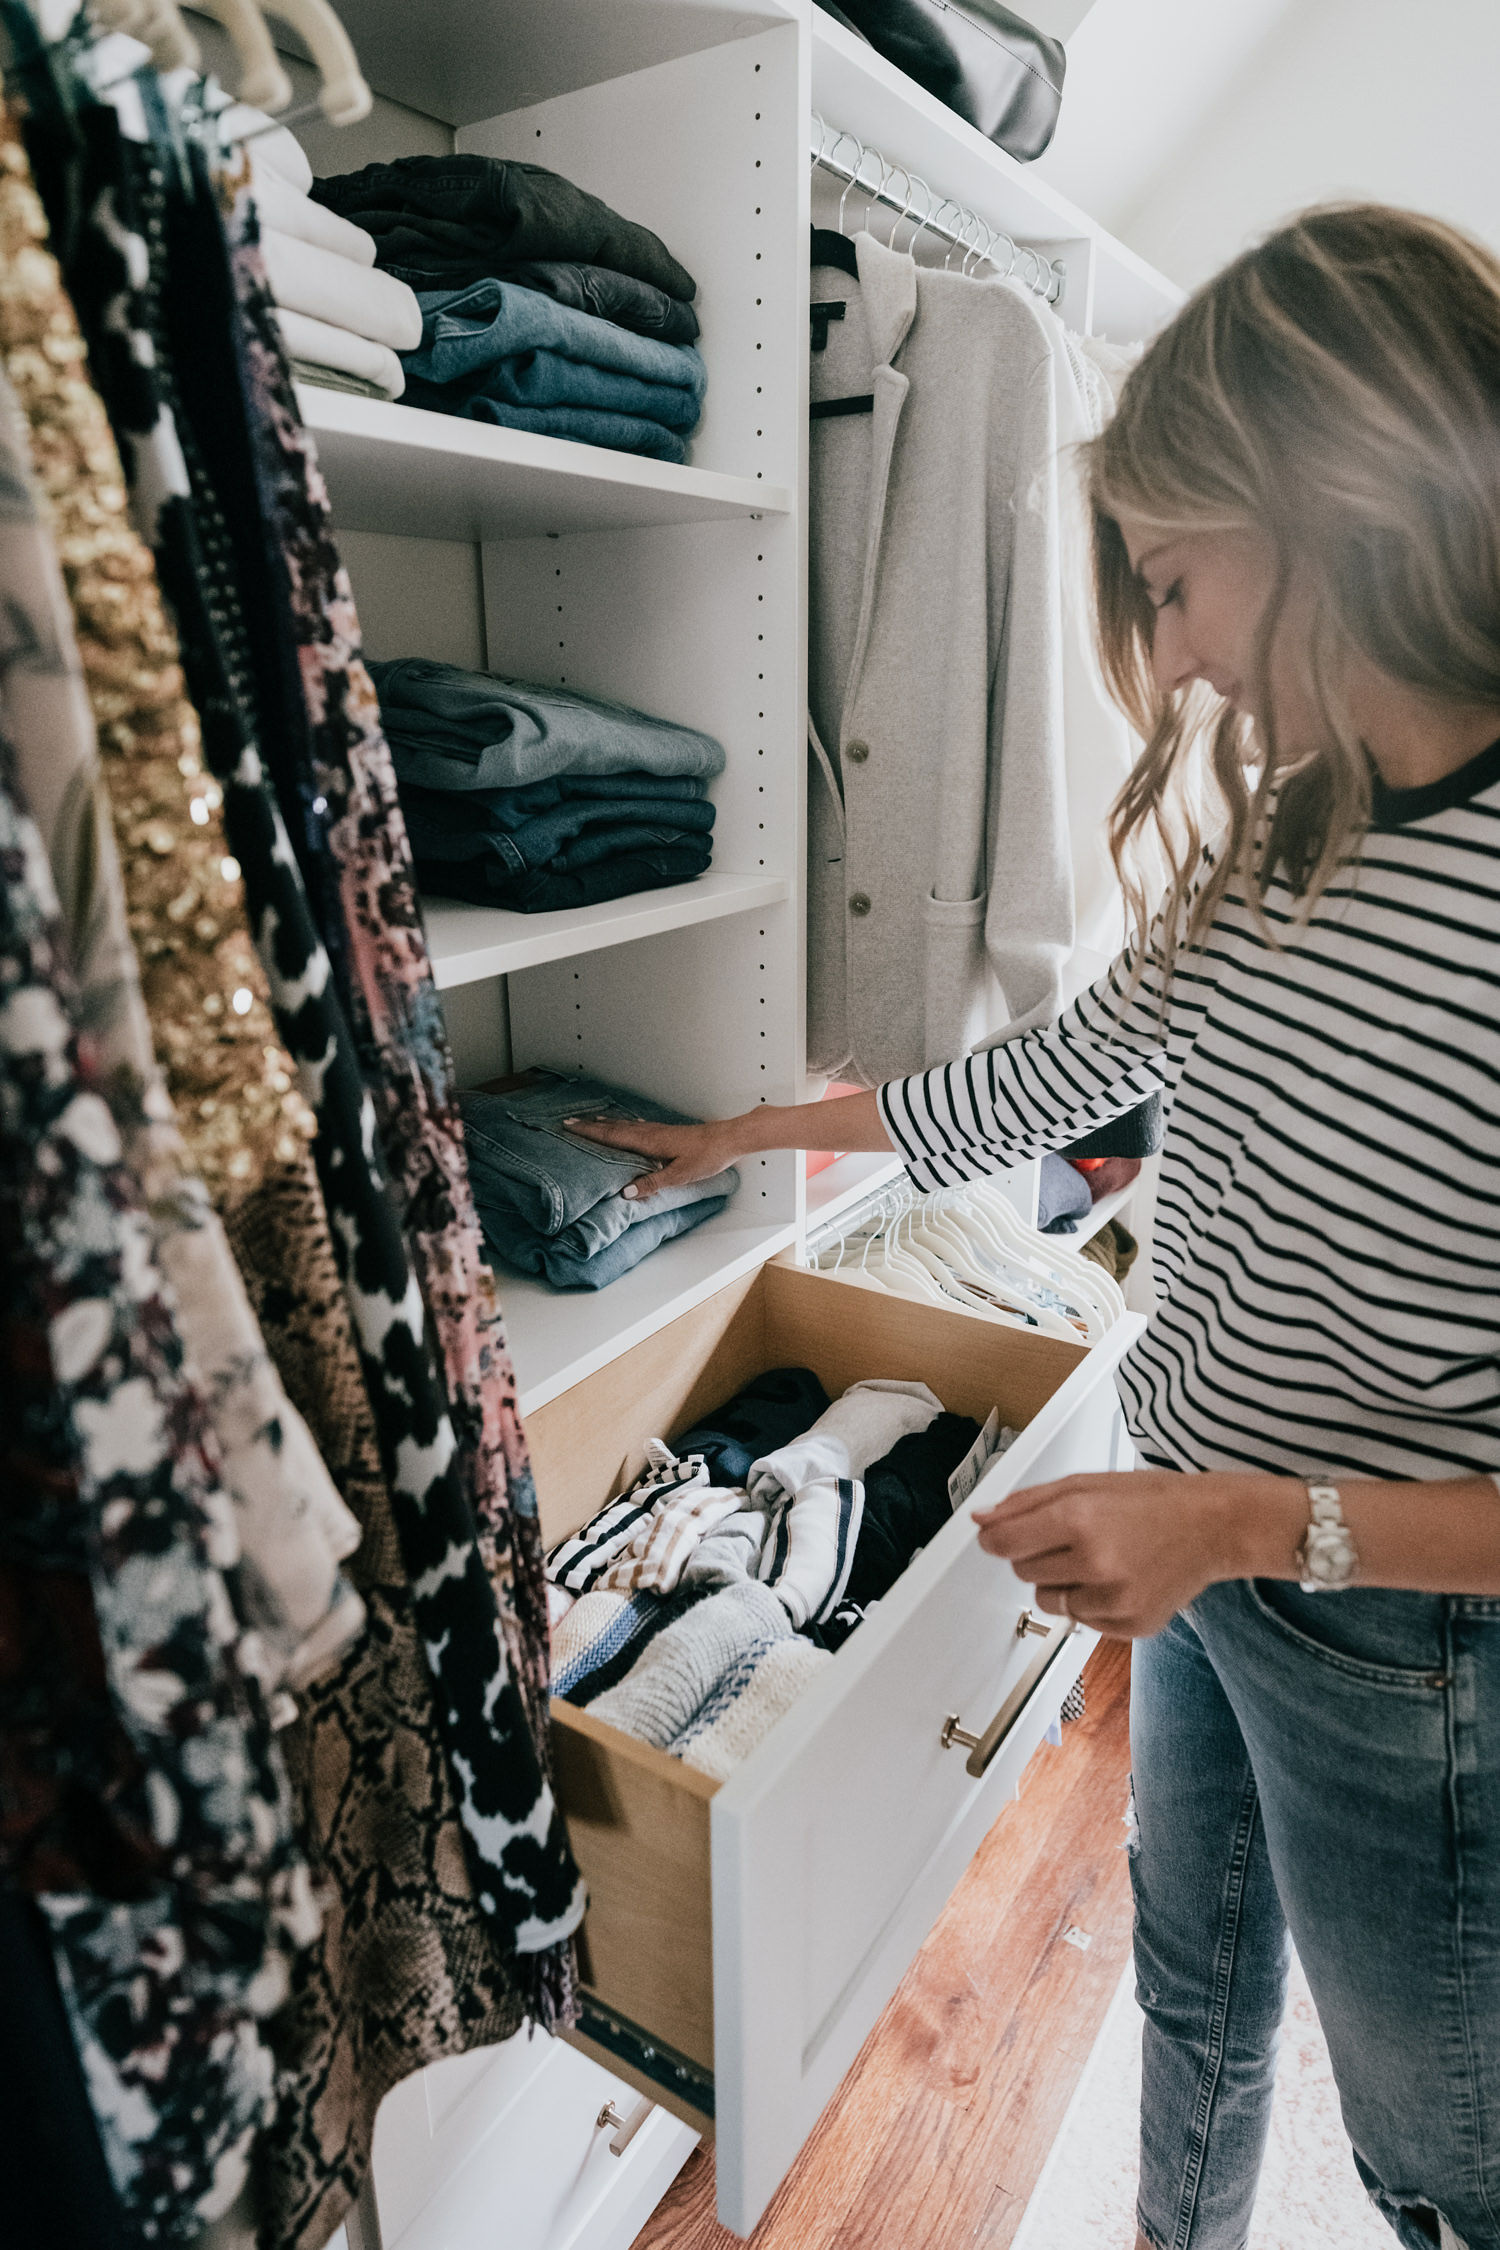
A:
<point x="203" y="984"/>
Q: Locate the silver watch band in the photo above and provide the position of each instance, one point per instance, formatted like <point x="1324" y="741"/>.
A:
<point x="1326" y="1558"/>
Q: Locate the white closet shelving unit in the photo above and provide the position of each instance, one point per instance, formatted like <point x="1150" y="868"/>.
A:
<point x="681" y="590"/>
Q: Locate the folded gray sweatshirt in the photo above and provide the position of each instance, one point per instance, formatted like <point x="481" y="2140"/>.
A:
<point x="679" y="1670"/>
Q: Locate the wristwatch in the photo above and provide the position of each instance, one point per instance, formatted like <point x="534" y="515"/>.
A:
<point x="1326" y="1557"/>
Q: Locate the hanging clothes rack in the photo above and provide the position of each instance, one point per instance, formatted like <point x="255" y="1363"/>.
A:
<point x="846" y="157"/>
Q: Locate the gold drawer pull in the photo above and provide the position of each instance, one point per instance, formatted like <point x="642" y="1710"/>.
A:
<point x="626" y="2128"/>
<point x="1029" y="1622"/>
<point x="982" y="1747"/>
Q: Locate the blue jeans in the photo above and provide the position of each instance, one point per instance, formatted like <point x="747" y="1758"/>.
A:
<point x="1327" y="1765"/>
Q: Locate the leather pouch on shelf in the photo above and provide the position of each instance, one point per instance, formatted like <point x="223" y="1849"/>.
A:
<point x="994" y="69"/>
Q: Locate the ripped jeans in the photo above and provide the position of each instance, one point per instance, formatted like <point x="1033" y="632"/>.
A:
<point x="1327" y="1765"/>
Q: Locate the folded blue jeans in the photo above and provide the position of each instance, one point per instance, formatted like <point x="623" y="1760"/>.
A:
<point x="502" y="1214"/>
<point x="450" y="728"/>
<point x="546" y="379"/>
<point x="1323" y="1765"/>
<point x="518" y="1133"/>
<point x="572" y="834"/>
<point x="554" y="890"/>
<point x="465" y="331"/>
<point x="535" y="1254"/>
<point x="622" y="433"/>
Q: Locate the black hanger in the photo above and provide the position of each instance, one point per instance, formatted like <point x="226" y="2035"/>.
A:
<point x="830" y="249"/>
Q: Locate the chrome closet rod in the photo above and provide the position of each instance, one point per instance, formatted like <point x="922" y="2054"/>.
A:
<point x="846" y="157"/>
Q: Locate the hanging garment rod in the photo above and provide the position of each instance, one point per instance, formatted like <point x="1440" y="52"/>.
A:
<point x="860" y="167"/>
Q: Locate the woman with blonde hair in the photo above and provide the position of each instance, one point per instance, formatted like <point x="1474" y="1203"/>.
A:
<point x="1297" y="547"/>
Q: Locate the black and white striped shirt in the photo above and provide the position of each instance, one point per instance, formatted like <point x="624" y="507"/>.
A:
<point x="1328" y="1229"/>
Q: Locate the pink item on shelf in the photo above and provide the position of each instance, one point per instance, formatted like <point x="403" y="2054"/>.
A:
<point x="815" y="1160"/>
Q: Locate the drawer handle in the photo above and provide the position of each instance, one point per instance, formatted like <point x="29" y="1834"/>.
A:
<point x="1029" y="1622"/>
<point x="626" y="2128"/>
<point x="982" y="1747"/>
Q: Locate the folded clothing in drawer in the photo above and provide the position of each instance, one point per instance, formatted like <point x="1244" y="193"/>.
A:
<point x="552" y="1203"/>
<point x="708" y="1606"/>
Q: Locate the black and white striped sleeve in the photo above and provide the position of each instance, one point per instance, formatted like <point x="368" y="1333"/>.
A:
<point x="1002" y="1105"/>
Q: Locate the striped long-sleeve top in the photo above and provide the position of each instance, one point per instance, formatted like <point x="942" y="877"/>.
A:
<point x="1328" y="1225"/>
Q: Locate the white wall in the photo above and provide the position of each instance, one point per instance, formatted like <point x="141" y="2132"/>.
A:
<point x="1271" y="107"/>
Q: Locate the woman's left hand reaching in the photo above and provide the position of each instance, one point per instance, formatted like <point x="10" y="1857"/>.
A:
<point x="1123" y="1553"/>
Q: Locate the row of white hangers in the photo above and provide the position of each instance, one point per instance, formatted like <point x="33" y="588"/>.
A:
<point x="343" y="96"/>
<point x="968" y="1247"/>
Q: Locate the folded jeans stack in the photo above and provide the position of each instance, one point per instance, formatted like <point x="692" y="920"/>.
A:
<point x="342" y="321"/>
<point x="540" y="799"/>
<point x="542" y="309"/>
<point x="552" y="1203"/>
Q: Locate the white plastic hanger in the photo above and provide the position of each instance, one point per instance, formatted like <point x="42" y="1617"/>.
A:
<point x="1047" y="1258"/>
<point x="343" y="96"/>
<point x="157" y="24"/>
<point x="936" y="1225"/>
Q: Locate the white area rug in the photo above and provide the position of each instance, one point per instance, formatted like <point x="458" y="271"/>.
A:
<point x="1309" y="2189"/>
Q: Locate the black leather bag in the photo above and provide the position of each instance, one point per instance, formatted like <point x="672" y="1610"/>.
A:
<point x="995" y="69"/>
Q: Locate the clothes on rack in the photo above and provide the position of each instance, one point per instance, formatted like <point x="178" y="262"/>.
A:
<point x="948" y="906"/>
<point x="167" y="1987"/>
<point x="552" y="1203"/>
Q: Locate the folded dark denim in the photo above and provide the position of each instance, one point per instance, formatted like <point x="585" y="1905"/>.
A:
<point x="612" y="296"/>
<point x="555" y="891"/>
<point x="451" y="728"/>
<point x="443" y="221"/>
<point x="652" y="441"/>
<point x="575" y="834"/>
<point x="546" y="383"/>
<point x="501" y="328"/>
<point x="510" y="809"/>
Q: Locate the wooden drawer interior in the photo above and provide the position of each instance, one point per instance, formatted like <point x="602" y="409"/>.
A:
<point x="638" y="1819"/>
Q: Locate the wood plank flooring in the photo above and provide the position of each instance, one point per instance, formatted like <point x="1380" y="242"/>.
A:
<point x="941" y="2129"/>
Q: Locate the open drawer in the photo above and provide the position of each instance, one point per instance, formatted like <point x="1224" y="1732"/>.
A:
<point x="743" y="1936"/>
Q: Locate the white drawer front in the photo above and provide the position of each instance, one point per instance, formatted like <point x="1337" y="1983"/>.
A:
<point x="835" y="1848"/>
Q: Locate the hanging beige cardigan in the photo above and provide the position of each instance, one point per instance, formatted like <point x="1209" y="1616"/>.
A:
<point x="941" y="891"/>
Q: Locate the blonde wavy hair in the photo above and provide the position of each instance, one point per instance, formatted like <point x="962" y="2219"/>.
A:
<point x="1338" y="388"/>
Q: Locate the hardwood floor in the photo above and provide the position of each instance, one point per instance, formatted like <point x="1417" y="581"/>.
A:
<point x="941" y="2129"/>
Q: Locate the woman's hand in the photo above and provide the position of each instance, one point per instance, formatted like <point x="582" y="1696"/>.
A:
<point x="685" y="1152"/>
<point x="1123" y="1553"/>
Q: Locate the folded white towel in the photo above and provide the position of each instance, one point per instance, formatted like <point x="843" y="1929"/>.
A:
<point x="327" y="287"/>
<point x="327" y="346"/>
<point x="815" y="1485"/>
<point x="678" y="1670"/>
<point x="291" y="212"/>
<point x="746" y="1705"/>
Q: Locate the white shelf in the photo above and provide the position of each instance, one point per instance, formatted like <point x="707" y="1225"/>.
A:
<point x="1108" y="1207"/>
<point x="468" y="943"/>
<point x="857" y="91"/>
<point x="841" y="1185"/>
<point x="459" y="62"/>
<point x="557" y="1337"/>
<point x="406" y="470"/>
